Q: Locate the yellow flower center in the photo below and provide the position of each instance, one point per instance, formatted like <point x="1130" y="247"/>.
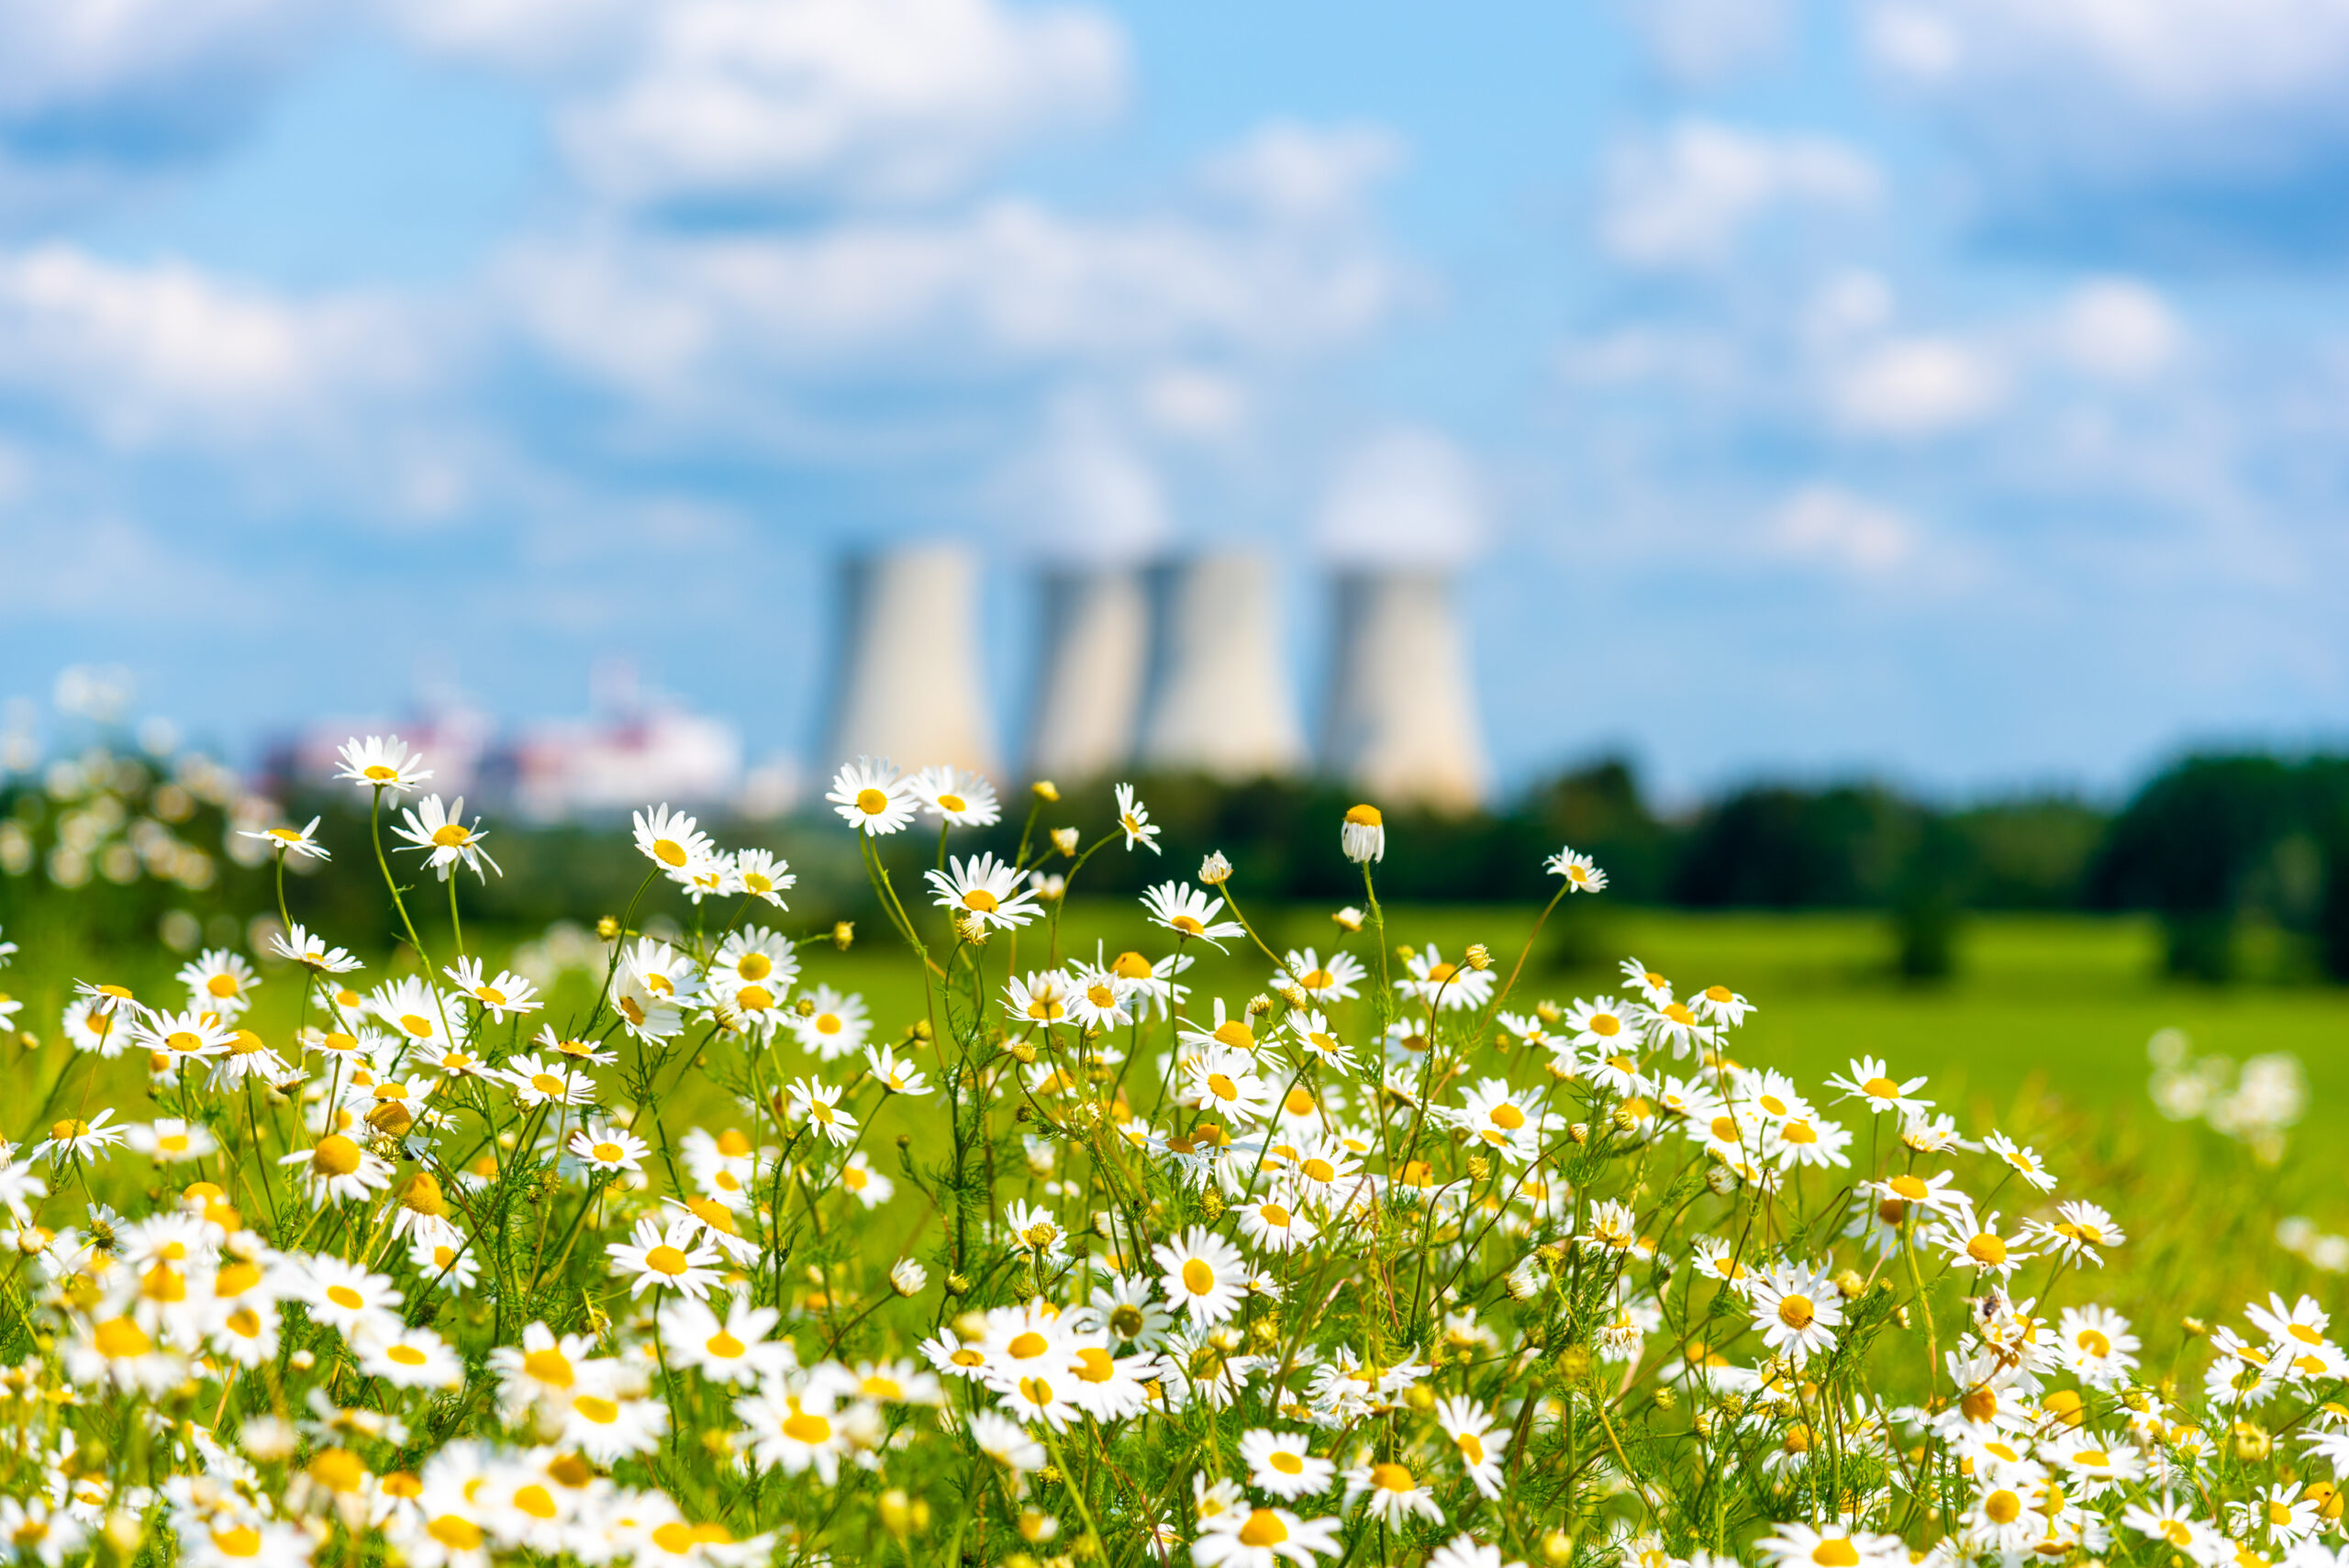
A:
<point x="1198" y="1277"/>
<point x="1797" y="1311"/>
<point x="666" y="1260"/>
<point x="335" y="1156"/>
<point x="871" y="802"/>
<point x="1263" y="1526"/>
<point x="449" y="835"/>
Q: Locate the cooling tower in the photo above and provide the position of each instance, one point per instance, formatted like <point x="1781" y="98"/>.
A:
<point x="1097" y="652"/>
<point x="1219" y="700"/>
<point x="907" y="684"/>
<point x="1402" y="720"/>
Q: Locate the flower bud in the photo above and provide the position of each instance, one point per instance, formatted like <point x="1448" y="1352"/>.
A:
<point x="843" y="933"/>
<point x="1349" y="917"/>
<point x="1479" y="956"/>
<point x="1214" y="870"/>
<point x="1045" y="790"/>
<point x="1065" y="840"/>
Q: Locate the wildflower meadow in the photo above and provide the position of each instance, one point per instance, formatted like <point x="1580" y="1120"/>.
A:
<point x="1057" y="1256"/>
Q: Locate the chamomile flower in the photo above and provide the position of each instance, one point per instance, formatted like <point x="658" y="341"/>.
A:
<point x="1435" y="983"/>
<point x="382" y="762"/>
<point x="986" y="890"/>
<point x="2025" y="1162"/>
<point x="169" y="1141"/>
<point x="671" y="840"/>
<point x="733" y="1348"/>
<point x="306" y="948"/>
<point x="872" y="797"/>
<point x="507" y="993"/>
<point x="1202" y="1274"/>
<point x="337" y="1168"/>
<point x="219" y="982"/>
<point x="443" y="836"/>
<point x="608" y="1150"/>
<point x="96" y="1025"/>
<point x="1795" y="1309"/>
<point x="820" y="1102"/>
<point x="676" y="1257"/>
<point x="1133" y="820"/>
<point x="411" y="1358"/>
<point x="1282" y="1464"/>
<point x="2080" y="1233"/>
<point x="834" y="1024"/>
<point x="1363" y="836"/>
<point x="1582" y="872"/>
<point x="1263" y="1538"/>
<point x="1324" y="983"/>
<point x="72" y="1138"/>
<point x="1837" y="1546"/>
<point x="1871" y="1083"/>
<point x="895" y="1072"/>
<point x="963" y="799"/>
<point x="553" y="1082"/>
<point x="1190" y="912"/>
<point x="1470" y="1429"/>
<point x="765" y="875"/>
<point x="301" y="843"/>
<point x="1393" y="1494"/>
<point x="1273" y="1224"/>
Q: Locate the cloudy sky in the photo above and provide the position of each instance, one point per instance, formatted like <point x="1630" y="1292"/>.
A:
<point x="1952" y="388"/>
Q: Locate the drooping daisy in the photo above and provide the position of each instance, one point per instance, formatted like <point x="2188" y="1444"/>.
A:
<point x="1202" y="1274"/>
<point x="1189" y="913"/>
<point x="1362" y="837"/>
<point x="986" y="890"/>
<point x="441" y="834"/>
<point x="311" y="952"/>
<point x="1133" y="820"/>
<point x="382" y="762"/>
<point x="872" y="797"/>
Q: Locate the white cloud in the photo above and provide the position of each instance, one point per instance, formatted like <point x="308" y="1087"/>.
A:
<point x="1915" y="386"/>
<point x="1304" y="172"/>
<point x="1827" y="524"/>
<point x="73" y="55"/>
<point x="1404" y="496"/>
<point x="2127" y="93"/>
<point x="1090" y="493"/>
<point x="168" y="353"/>
<point x="1009" y="283"/>
<point x="2188" y="55"/>
<point x="744" y="100"/>
<point x="2117" y="330"/>
<point x="1703" y="41"/>
<point x="1687" y="199"/>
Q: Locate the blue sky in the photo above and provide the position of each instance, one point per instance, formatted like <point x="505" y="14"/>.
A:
<point x="1953" y="389"/>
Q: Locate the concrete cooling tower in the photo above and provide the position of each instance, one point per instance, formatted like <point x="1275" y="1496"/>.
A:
<point x="908" y="681"/>
<point x="1097" y="656"/>
<point x="1219" y="699"/>
<point x="1402" y="722"/>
